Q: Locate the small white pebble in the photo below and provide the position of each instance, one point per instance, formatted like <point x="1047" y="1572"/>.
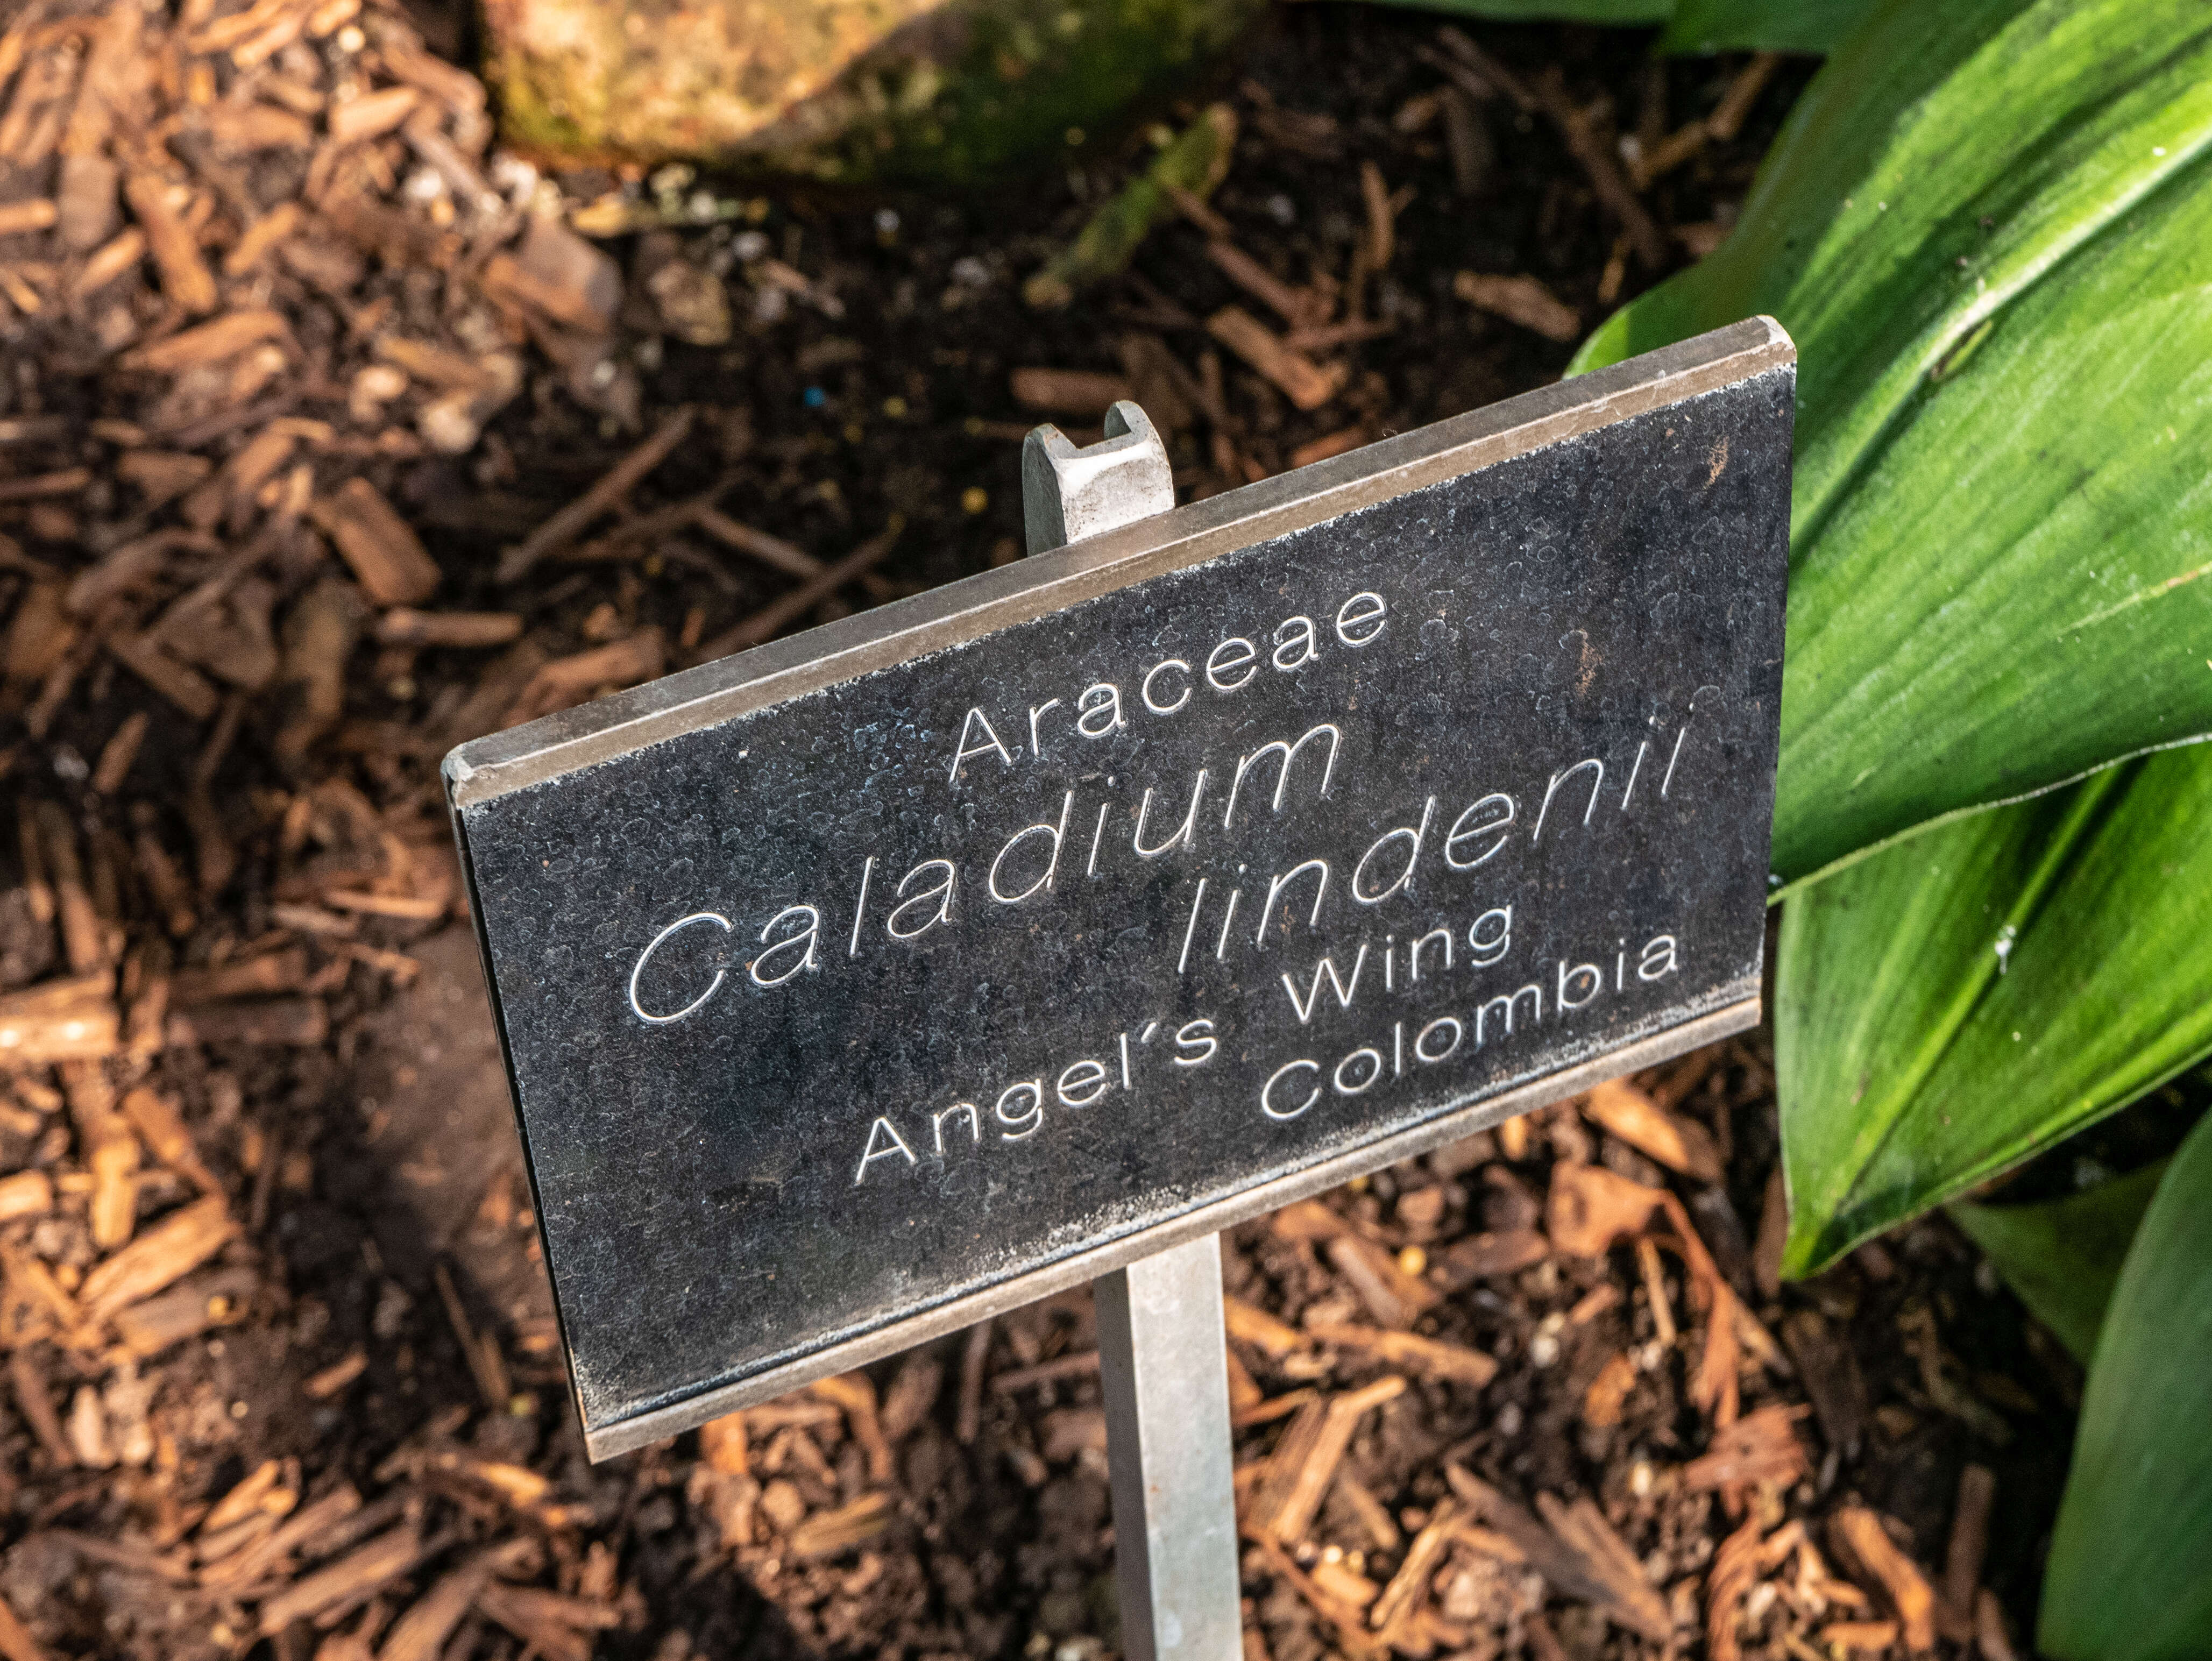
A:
<point x="514" y="176"/>
<point x="447" y="425"/>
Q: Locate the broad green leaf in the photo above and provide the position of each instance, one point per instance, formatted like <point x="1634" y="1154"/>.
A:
<point x="1988" y="225"/>
<point x="1947" y="1007"/>
<point x="1817" y="26"/>
<point x="2130" y="1577"/>
<point x="2063" y="1256"/>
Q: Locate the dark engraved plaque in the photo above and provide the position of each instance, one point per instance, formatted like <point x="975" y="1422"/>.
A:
<point x="865" y="983"/>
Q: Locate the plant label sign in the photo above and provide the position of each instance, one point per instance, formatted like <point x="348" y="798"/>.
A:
<point x="899" y="972"/>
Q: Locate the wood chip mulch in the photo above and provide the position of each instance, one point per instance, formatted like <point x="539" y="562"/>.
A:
<point x="331" y="435"/>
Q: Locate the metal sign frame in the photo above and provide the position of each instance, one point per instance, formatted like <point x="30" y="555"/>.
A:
<point x="487" y="769"/>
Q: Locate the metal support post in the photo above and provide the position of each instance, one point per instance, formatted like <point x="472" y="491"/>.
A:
<point x="1162" y="1360"/>
<point x="1166" y="1376"/>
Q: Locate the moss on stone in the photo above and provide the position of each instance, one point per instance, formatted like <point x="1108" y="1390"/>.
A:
<point x="843" y="91"/>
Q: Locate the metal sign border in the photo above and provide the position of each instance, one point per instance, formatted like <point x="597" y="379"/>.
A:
<point x="486" y="768"/>
<point x="1044" y="583"/>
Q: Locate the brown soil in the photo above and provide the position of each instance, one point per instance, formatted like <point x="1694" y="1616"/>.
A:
<point x="235" y="892"/>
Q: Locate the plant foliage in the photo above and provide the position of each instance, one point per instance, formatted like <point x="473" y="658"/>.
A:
<point x="1961" y="1002"/>
<point x="2063" y="1256"/>
<point x="2130" y="1577"/>
<point x="1989" y="226"/>
<point x="1810" y="26"/>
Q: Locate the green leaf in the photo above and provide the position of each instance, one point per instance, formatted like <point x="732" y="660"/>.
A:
<point x="1709" y="25"/>
<point x="2063" y="1256"/>
<point x="1949" y="1007"/>
<point x="1988" y="225"/>
<point x="2130" y="1577"/>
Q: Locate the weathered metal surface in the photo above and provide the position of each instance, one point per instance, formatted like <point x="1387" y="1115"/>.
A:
<point x="1070" y="492"/>
<point x="1164" y="1376"/>
<point x="920" y="965"/>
